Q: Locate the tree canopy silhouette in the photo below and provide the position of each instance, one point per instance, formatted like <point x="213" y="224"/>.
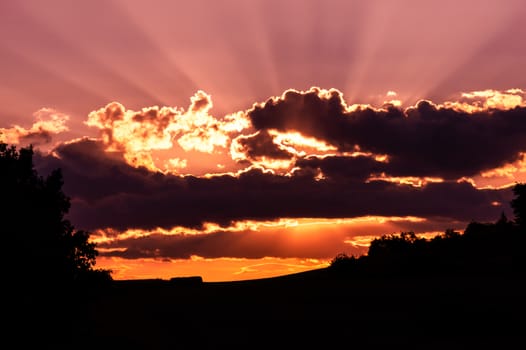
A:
<point x="519" y="204"/>
<point x="482" y="248"/>
<point x="40" y="245"/>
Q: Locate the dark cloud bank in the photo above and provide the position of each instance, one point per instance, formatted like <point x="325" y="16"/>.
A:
<point x="107" y="192"/>
<point x="425" y="140"/>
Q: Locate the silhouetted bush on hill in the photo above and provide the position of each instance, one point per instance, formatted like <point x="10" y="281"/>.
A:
<point x="483" y="248"/>
<point x="41" y="246"/>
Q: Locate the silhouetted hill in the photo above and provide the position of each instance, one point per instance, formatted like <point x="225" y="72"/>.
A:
<point x="316" y="308"/>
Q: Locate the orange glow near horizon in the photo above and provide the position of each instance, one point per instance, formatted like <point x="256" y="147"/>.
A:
<point x="228" y="269"/>
<point x="211" y="270"/>
<point x="301" y="237"/>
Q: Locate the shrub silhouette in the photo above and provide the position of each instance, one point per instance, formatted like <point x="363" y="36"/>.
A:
<point x="343" y="261"/>
<point x="40" y="245"/>
<point x="482" y="248"/>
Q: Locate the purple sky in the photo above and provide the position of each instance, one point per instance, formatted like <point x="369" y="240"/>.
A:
<point x="78" y="56"/>
<point x="201" y="115"/>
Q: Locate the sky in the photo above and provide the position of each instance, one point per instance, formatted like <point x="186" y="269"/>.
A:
<point x="245" y="139"/>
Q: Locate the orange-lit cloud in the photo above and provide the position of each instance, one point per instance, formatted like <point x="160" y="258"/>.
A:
<point x="304" y="238"/>
<point x="400" y="145"/>
<point x="405" y="180"/>
<point x="300" y="145"/>
<point x="271" y="149"/>
<point x="304" y="175"/>
<point x="284" y="131"/>
<point x="48" y="122"/>
<point x="137" y="134"/>
<point x="483" y="100"/>
<point x="392" y="100"/>
<point x="249" y="249"/>
<point x="510" y="171"/>
<point x="425" y="140"/>
<point x="504" y="176"/>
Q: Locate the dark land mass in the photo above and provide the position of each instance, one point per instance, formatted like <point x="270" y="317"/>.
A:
<point x="454" y="291"/>
<point x="316" y="309"/>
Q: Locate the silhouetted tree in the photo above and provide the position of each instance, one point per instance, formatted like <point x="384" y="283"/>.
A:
<point x="343" y="261"/>
<point x="519" y="204"/>
<point x="397" y="253"/>
<point x="39" y="244"/>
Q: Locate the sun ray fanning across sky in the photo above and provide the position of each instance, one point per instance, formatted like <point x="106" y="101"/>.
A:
<point x="246" y="139"/>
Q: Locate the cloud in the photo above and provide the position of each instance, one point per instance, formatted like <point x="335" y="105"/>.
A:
<point x="261" y="149"/>
<point x="301" y="156"/>
<point x="137" y="134"/>
<point x="478" y="101"/>
<point x="447" y="141"/>
<point x="342" y="168"/>
<point x="255" y="240"/>
<point x="48" y="122"/>
<point x="481" y="131"/>
<point x="109" y="193"/>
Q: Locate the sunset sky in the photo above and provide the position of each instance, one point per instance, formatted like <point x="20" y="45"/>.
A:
<point x="246" y="139"/>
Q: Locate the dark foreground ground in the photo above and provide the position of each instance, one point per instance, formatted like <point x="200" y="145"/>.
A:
<point x="318" y="309"/>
